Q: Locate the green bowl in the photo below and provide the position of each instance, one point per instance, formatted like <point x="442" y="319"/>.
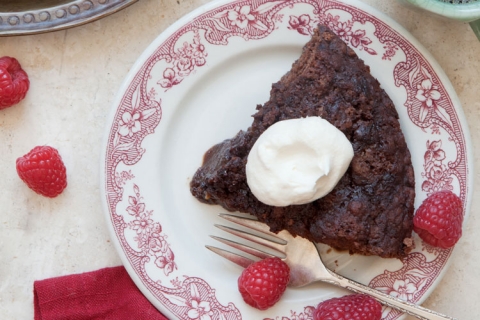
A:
<point x="468" y="12"/>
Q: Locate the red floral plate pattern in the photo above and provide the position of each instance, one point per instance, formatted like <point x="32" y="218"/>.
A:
<point x="197" y="84"/>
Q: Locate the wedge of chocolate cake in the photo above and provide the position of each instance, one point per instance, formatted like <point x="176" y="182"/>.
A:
<point x="370" y="210"/>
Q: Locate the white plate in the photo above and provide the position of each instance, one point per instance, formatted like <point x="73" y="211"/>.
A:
<point x="197" y="84"/>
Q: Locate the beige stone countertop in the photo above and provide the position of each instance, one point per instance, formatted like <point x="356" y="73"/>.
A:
<point x="75" y="75"/>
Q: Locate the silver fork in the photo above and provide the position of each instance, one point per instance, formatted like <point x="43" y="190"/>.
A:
<point x="305" y="262"/>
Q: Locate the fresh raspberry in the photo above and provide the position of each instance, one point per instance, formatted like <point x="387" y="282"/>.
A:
<point x="43" y="171"/>
<point x="438" y="220"/>
<point x="263" y="282"/>
<point x="352" y="307"/>
<point x="14" y="82"/>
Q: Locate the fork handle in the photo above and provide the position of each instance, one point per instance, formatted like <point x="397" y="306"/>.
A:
<point x="388" y="300"/>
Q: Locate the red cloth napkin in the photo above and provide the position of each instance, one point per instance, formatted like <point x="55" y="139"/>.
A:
<point x="107" y="293"/>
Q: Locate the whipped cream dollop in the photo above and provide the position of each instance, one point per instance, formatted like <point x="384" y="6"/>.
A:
<point x="297" y="161"/>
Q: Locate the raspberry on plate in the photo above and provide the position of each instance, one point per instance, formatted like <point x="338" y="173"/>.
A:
<point x="352" y="307"/>
<point x="43" y="171"/>
<point x="14" y="82"/>
<point x="262" y="283"/>
<point x="438" y="220"/>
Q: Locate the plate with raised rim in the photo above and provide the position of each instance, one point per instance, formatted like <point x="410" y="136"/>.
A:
<point x="197" y="84"/>
<point x="21" y="17"/>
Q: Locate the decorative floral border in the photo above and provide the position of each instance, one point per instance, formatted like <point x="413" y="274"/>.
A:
<point x="428" y="105"/>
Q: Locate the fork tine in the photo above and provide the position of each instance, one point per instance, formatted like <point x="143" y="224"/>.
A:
<point x="252" y="224"/>
<point x="248" y="249"/>
<point x="253" y="237"/>
<point x="233" y="257"/>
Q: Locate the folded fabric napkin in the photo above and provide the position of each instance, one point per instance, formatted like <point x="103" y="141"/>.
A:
<point x="107" y="293"/>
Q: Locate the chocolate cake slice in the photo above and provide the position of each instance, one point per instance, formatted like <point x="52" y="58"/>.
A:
<point x="370" y="211"/>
